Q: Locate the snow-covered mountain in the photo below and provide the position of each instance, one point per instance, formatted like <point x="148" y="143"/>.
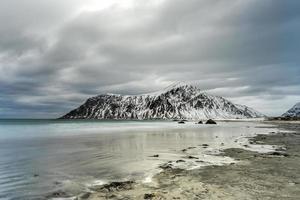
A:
<point x="176" y="102"/>
<point x="293" y="112"/>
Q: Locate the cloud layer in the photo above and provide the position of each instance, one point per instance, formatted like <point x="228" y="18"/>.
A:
<point x="55" y="54"/>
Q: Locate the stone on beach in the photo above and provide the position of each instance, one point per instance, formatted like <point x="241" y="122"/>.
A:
<point x="210" y="121"/>
<point x="149" y="196"/>
<point x="166" y="166"/>
<point x="192" y="157"/>
<point x="115" y="186"/>
<point x="205" y="145"/>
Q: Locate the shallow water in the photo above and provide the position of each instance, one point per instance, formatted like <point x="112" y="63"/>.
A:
<point x="39" y="157"/>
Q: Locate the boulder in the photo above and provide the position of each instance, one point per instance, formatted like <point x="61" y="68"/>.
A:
<point x="210" y="121"/>
<point x="149" y="196"/>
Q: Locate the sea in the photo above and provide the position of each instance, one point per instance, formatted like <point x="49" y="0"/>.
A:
<point x="39" y="158"/>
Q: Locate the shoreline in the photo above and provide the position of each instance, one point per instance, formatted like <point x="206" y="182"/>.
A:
<point x="255" y="175"/>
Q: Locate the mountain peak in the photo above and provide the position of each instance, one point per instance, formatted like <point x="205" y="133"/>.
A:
<point x="179" y="85"/>
<point x="297" y="105"/>
<point x="174" y="86"/>
<point x="293" y="112"/>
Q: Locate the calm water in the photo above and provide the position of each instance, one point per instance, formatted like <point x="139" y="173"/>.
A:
<point x="39" y="157"/>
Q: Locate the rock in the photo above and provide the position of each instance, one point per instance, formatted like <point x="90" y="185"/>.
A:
<point x="184" y="150"/>
<point x="149" y="196"/>
<point x="181" y="122"/>
<point x="210" y="121"/>
<point x="276" y="153"/>
<point x="205" y="145"/>
<point x="280" y="149"/>
<point x="35" y="175"/>
<point x="155" y="156"/>
<point x="192" y="157"/>
<point x="200" y="122"/>
<point x="179" y="161"/>
<point x="191" y="147"/>
<point x="57" y="194"/>
<point x="166" y="166"/>
<point x="116" y="186"/>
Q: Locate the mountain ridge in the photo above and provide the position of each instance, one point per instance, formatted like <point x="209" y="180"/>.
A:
<point x="177" y="102"/>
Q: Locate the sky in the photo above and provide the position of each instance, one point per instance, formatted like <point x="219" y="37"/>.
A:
<point x="55" y="54"/>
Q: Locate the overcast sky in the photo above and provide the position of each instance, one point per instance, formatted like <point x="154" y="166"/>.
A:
<point x="55" y="54"/>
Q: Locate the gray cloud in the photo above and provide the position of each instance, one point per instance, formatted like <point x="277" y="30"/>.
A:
<point x="55" y="54"/>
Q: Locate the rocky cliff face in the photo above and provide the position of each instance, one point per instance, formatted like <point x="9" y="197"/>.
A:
<point x="293" y="112"/>
<point x="179" y="102"/>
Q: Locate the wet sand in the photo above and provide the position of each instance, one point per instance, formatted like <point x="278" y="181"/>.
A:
<point x="274" y="175"/>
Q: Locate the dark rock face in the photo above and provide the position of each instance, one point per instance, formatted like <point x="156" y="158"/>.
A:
<point x="210" y="121"/>
<point x="200" y="122"/>
<point x="181" y="122"/>
<point x="181" y="102"/>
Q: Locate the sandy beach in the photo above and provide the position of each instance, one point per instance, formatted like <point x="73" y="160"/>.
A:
<point x="272" y="175"/>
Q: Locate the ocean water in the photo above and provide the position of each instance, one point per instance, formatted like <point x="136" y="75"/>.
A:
<point x="40" y="157"/>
